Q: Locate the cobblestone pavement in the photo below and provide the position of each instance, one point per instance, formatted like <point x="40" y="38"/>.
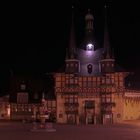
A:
<point x="129" y="130"/>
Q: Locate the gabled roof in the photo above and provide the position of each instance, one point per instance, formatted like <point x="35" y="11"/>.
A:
<point x="132" y="81"/>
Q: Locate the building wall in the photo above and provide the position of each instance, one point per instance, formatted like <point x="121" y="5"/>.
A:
<point x="131" y="109"/>
<point x="60" y="113"/>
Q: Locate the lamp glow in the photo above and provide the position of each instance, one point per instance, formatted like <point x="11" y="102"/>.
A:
<point x="90" y="47"/>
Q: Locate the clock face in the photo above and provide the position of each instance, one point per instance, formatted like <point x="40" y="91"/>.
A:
<point x="90" y="47"/>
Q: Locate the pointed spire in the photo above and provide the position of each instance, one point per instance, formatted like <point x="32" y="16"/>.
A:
<point x="72" y="43"/>
<point x="106" y="37"/>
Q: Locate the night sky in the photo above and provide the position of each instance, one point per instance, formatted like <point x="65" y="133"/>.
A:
<point x="35" y="35"/>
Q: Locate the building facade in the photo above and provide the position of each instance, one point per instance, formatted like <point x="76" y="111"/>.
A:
<point x="4" y="107"/>
<point x="91" y="89"/>
<point x="29" y="99"/>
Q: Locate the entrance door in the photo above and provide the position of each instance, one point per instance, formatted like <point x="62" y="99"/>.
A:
<point x="71" y="119"/>
<point x="90" y="119"/>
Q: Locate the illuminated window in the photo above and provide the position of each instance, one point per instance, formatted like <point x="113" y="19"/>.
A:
<point x="35" y="96"/>
<point x="89" y="83"/>
<point x="108" y="100"/>
<point x="71" y="81"/>
<point x="22" y="97"/>
<point x="103" y="100"/>
<point x="49" y="103"/>
<point x="67" y="81"/>
<point x="71" y="100"/>
<point x="75" y="100"/>
<point x="76" y="81"/>
<point x="66" y="99"/>
<point x="22" y="86"/>
<point x="103" y="80"/>
<point x="108" y="80"/>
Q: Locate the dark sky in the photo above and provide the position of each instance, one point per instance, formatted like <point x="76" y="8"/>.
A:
<point x="35" y="35"/>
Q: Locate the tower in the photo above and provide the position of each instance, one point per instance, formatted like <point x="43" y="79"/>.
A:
<point x="96" y="94"/>
<point x="107" y="62"/>
<point x="72" y="63"/>
<point x="88" y="44"/>
<point x="89" y="54"/>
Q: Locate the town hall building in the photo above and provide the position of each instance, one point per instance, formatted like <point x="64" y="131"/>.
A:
<point x="91" y="89"/>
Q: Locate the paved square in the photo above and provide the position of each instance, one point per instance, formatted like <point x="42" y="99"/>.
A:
<point x="21" y="131"/>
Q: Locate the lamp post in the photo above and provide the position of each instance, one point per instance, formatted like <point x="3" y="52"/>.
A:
<point x="42" y="111"/>
<point x="34" y="118"/>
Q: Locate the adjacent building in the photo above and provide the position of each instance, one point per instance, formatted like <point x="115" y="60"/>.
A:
<point x="30" y="99"/>
<point x="4" y="107"/>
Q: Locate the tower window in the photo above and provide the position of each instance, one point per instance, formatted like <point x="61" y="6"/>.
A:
<point x="71" y="64"/>
<point x="89" y="68"/>
<point x="22" y="86"/>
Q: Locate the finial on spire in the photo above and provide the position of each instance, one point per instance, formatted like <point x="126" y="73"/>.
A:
<point x="89" y="15"/>
<point x="88" y="10"/>
<point x="106" y="6"/>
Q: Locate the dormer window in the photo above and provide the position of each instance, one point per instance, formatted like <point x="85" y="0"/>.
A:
<point x="22" y="86"/>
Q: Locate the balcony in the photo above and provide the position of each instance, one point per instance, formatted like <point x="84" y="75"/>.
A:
<point x="71" y="104"/>
<point x="105" y="93"/>
<point x="70" y="93"/>
<point x="71" y="85"/>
